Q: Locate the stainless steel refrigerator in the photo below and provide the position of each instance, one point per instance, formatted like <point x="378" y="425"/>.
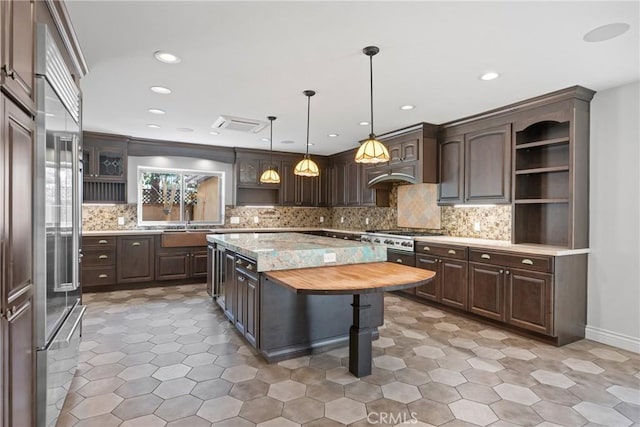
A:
<point x="57" y="216"/>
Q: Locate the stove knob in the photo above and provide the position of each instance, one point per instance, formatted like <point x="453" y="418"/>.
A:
<point x="376" y="240"/>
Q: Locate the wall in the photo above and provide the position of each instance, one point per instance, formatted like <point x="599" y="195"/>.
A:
<point x="613" y="314"/>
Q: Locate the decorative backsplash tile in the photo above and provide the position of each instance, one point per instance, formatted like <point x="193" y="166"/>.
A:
<point x="495" y="222"/>
<point x="418" y="206"/>
<point x="356" y="218"/>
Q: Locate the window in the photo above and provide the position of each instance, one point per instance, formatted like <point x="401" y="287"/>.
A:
<point x="174" y="196"/>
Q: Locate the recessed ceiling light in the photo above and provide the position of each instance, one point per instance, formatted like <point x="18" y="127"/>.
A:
<point x="364" y="123"/>
<point x="152" y="126"/>
<point x="606" y="32"/>
<point x="156" y="111"/>
<point x="407" y="107"/>
<point x="166" y="57"/>
<point x="489" y="76"/>
<point x="333" y="135"/>
<point x="213" y="132"/>
<point x="185" y="130"/>
<point x="161" y="90"/>
<point x="265" y="140"/>
<point x="287" y="141"/>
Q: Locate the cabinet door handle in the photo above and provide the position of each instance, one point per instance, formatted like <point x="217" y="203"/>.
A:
<point x="238" y="261"/>
<point x="485" y="256"/>
<point x="527" y="261"/>
<point x="345" y="238"/>
<point x="426" y="248"/>
<point x="241" y="279"/>
<point x="103" y="276"/>
<point x="501" y="271"/>
<point x="507" y="272"/>
<point x="102" y="242"/>
<point x="249" y="267"/>
<point x="451" y="251"/>
<point x="103" y="257"/>
<point x="13" y="313"/>
<point x="135" y="244"/>
<point x="422" y="260"/>
<point x="399" y="261"/>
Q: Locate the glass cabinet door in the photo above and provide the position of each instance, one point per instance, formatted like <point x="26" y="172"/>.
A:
<point x="110" y="163"/>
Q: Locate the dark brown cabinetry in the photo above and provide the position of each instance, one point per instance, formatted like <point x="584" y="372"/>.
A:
<point x="98" y="261"/>
<point x="136" y="259"/>
<point x="16" y="277"/>
<point x="104" y="161"/>
<point x="16" y="50"/>
<point x="529" y="299"/>
<point x="298" y="190"/>
<point x="349" y="183"/>
<point x="180" y="263"/>
<point x="246" y="303"/>
<point x="475" y="167"/>
<point x="450" y="285"/>
<point x="486" y="290"/>
<point x="488" y="165"/>
<point x="228" y="279"/>
<point x="405" y="258"/>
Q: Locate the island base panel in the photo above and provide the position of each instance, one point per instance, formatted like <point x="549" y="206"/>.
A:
<point x="292" y="325"/>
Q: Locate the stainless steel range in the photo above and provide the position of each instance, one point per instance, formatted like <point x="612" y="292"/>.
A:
<point x="400" y="240"/>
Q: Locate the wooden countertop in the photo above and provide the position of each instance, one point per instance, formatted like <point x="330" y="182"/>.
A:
<point x="352" y="278"/>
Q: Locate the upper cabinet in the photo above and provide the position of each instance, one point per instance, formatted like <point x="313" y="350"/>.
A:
<point x="104" y="163"/>
<point x="17" y="18"/>
<point x="349" y="183"/>
<point x="475" y="167"/>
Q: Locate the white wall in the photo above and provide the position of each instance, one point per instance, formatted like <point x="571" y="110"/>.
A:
<point x="613" y="314"/>
<point x="177" y="163"/>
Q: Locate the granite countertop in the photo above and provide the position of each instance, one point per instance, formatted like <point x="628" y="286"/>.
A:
<point x="219" y="231"/>
<point x="283" y="251"/>
<point x="502" y="245"/>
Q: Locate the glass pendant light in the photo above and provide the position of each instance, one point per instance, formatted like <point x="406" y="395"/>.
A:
<point x="270" y="176"/>
<point x="306" y="166"/>
<point x="372" y="150"/>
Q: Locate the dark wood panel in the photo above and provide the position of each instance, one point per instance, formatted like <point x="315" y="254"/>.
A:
<point x="241" y="301"/>
<point x="488" y="165"/>
<point x="354" y="183"/>
<point x="101" y="241"/>
<point x="522" y="261"/>
<point x="229" y="285"/>
<point x="435" y="249"/>
<point x="172" y="266"/>
<point x="454" y="286"/>
<point x="199" y="264"/>
<point x="431" y="290"/>
<point x="451" y="153"/>
<point x="252" y="314"/>
<point x="486" y="290"/>
<point x="100" y="276"/>
<point x="98" y="257"/>
<point x="529" y="300"/>
<point x="136" y="261"/>
<point x="17" y="148"/>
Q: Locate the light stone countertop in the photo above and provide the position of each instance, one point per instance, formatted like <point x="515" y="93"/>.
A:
<point x="218" y="231"/>
<point x="503" y="245"/>
<point x="284" y="251"/>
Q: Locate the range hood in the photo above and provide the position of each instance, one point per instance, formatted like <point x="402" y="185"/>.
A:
<point x="387" y="179"/>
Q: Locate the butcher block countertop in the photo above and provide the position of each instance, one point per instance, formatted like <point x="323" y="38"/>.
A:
<point x="352" y="279"/>
<point x="284" y="251"/>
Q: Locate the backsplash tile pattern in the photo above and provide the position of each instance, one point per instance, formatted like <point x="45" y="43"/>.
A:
<point x="355" y="218"/>
<point x="418" y="206"/>
<point x="495" y="222"/>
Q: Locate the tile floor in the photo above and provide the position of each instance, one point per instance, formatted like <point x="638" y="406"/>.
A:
<point x="167" y="357"/>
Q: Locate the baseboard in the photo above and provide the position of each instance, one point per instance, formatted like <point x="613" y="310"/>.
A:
<point x="614" y="339"/>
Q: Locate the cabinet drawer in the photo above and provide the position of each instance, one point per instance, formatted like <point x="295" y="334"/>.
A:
<point x="246" y="264"/>
<point x="524" y="261"/>
<point x="457" y="252"/>
<point x="98" y="276"/>
<point x="99" y="241"/>
<point x="98" y="257"/>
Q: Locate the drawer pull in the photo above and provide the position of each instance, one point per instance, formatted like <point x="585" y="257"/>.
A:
<point x="527" y="261"/>
<point x="238" y="261"/>
<point x="485" y="256"/>
<point x="399" y="260"/>
<point x="507" y="272"/>
<point x="135" y="244"/>
<point x="102" y="242"/>
<point x="345" y="238"/>
<point x="103" y="257"/>
<point x="249" y="267"/>
<point x="426" y="248"/>
<point x="241" y="279"/>
<point x="451" y="251"/>
<point x="103" y="276"/>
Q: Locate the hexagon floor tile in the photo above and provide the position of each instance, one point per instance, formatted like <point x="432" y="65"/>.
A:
<point x="168" y="357"/>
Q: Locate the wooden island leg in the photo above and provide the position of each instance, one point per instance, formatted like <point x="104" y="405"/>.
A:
<point x="360" y="336"/>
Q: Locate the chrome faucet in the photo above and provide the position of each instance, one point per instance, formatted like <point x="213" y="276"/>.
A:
<point x="188" y="218"/>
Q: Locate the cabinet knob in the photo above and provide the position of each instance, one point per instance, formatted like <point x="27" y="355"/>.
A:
<point x="103" y="257"/>
<point x="507" y="272"/>
<point x="241" y="279"/>
<point x="501" y="271"/>
<point x="527" y="261"/>
<point x="399" y="260"/>
<point x="485" y="256"/>
<point x="135" y="244"/>
<point x="439" y="260"/>
<point x="345" y="238"/>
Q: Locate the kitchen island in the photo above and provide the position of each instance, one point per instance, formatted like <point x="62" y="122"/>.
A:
<point x="281" y="324"/>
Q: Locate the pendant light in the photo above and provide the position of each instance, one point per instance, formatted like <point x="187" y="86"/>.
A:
<point x="372" y="150"/>
<point x="306" y="166"/>
<point x="270" y="176"/>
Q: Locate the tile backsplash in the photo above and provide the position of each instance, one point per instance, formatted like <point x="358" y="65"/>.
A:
<point x="494" y="221"/>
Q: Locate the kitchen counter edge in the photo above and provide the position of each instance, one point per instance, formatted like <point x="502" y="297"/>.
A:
<point x="502" y="245"/>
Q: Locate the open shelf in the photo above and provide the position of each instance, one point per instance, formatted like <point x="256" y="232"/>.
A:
<point x="542" y="156"/>
<point x="539" y="201"/>
<point x="544" y="142"/>
<point x="104" y="192"/>
<point x="542" y="223"/>
<point x="542" y="170"/>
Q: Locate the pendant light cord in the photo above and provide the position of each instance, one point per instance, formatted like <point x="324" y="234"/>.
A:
<point x="308" y="119"/>
<point x="371" y="84"/>
<point x="271" y="144"/>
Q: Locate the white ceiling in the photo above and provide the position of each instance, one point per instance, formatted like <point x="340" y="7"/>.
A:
<point x="254" y="59"/>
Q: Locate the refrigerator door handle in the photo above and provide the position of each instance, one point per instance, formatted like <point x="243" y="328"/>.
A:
<point x="78" y="312"/>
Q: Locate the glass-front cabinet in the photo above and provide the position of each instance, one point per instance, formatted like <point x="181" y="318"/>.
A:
<point x="104" y="159"/>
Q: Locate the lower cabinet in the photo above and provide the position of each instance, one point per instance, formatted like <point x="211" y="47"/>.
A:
<point x="486" y="291"/>
<point x="529" y="300"/>
<point x="228" y="281"/>
<point x="450" y="286"/>
<point x="246" y="302"/>
<point x="177" y="264"/>
<point x="136" y="259"/>
<point x="18" y="366"/>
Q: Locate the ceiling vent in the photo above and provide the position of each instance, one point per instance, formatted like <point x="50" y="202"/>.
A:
<point x="239" y="124"/>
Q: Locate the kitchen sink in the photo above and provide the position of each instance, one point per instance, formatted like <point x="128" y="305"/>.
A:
<point x="184" y="238"/>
